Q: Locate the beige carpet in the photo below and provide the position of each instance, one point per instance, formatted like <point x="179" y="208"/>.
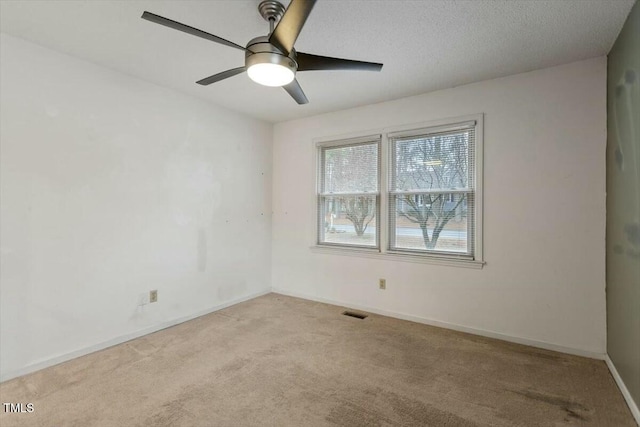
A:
<point x="281" y="361"/>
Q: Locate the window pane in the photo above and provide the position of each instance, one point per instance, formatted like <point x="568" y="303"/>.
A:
<point x="431" y="222"/>
<point x="350" y="220"/>
<point x="351" y="169"/>
<point x="432" y="162"/>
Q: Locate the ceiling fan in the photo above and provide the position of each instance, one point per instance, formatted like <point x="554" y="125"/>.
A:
<point x="272" y="60"/>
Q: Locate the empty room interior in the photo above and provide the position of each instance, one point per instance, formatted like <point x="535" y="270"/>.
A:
<point x="320" y="213"/>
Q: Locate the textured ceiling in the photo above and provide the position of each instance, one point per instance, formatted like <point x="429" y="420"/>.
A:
<point x="425" y="45"/>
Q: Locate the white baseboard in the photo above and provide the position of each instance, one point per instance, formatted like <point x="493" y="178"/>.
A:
<point x="453" y="326"/>
<point x="121" y="339"/>
<point x="623" y="388"/>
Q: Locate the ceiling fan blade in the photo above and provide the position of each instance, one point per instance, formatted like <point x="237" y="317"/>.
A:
<point x="288" y="29"/>
<point x="221" y="76"/>
<point x="296" y="92"/>
<point x="308" y="62"/>
<point x="152" y="17"/>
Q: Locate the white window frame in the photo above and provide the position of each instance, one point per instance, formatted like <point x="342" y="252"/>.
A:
<point x="383" y="223"/>
<point x="349" y="142"/>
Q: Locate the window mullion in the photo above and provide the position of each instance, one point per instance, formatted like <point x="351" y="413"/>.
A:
<point x="363" y="193"/>
<point x="433" y="191"/>
<point x="383" y="184"/>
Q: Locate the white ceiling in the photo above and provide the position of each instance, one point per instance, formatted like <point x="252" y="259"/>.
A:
<point x="424" y="45"/>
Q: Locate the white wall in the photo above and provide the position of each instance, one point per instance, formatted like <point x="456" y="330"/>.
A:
<point x="111" y="187"/>
<point x="544" y="215"/>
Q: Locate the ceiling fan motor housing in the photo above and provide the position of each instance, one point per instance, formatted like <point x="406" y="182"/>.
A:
<point x="260" y="51"/>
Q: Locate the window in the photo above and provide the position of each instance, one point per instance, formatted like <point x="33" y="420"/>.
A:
<point x="431" y="197"/>
<point x="348" y="193"/>
<point x="409" y="193"/>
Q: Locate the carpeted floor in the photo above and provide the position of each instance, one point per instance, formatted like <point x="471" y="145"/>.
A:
<point x="282" y="361"/>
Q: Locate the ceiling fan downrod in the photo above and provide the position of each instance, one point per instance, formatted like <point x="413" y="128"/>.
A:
<point x="271" y="11"/>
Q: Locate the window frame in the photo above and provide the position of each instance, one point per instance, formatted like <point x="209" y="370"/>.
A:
<point x="393" y="139"/>
<point x="383" y="213"/>
<point x="321" y="147"/>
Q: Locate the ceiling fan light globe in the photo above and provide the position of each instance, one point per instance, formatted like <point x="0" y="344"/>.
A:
<point x="268" y="74"/>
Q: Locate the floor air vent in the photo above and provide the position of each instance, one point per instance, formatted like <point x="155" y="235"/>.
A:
<point x="354" y="314"/>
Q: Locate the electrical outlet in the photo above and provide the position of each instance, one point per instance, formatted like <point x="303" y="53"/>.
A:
<point x="382" y="284"/>
<point x="153" y="296"/>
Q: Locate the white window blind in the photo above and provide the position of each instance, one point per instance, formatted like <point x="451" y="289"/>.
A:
<point x="348" y="192"/>
<point x="432" y="191"/>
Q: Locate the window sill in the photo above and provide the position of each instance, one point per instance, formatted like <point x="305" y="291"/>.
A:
<point x="397" y="256"/>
